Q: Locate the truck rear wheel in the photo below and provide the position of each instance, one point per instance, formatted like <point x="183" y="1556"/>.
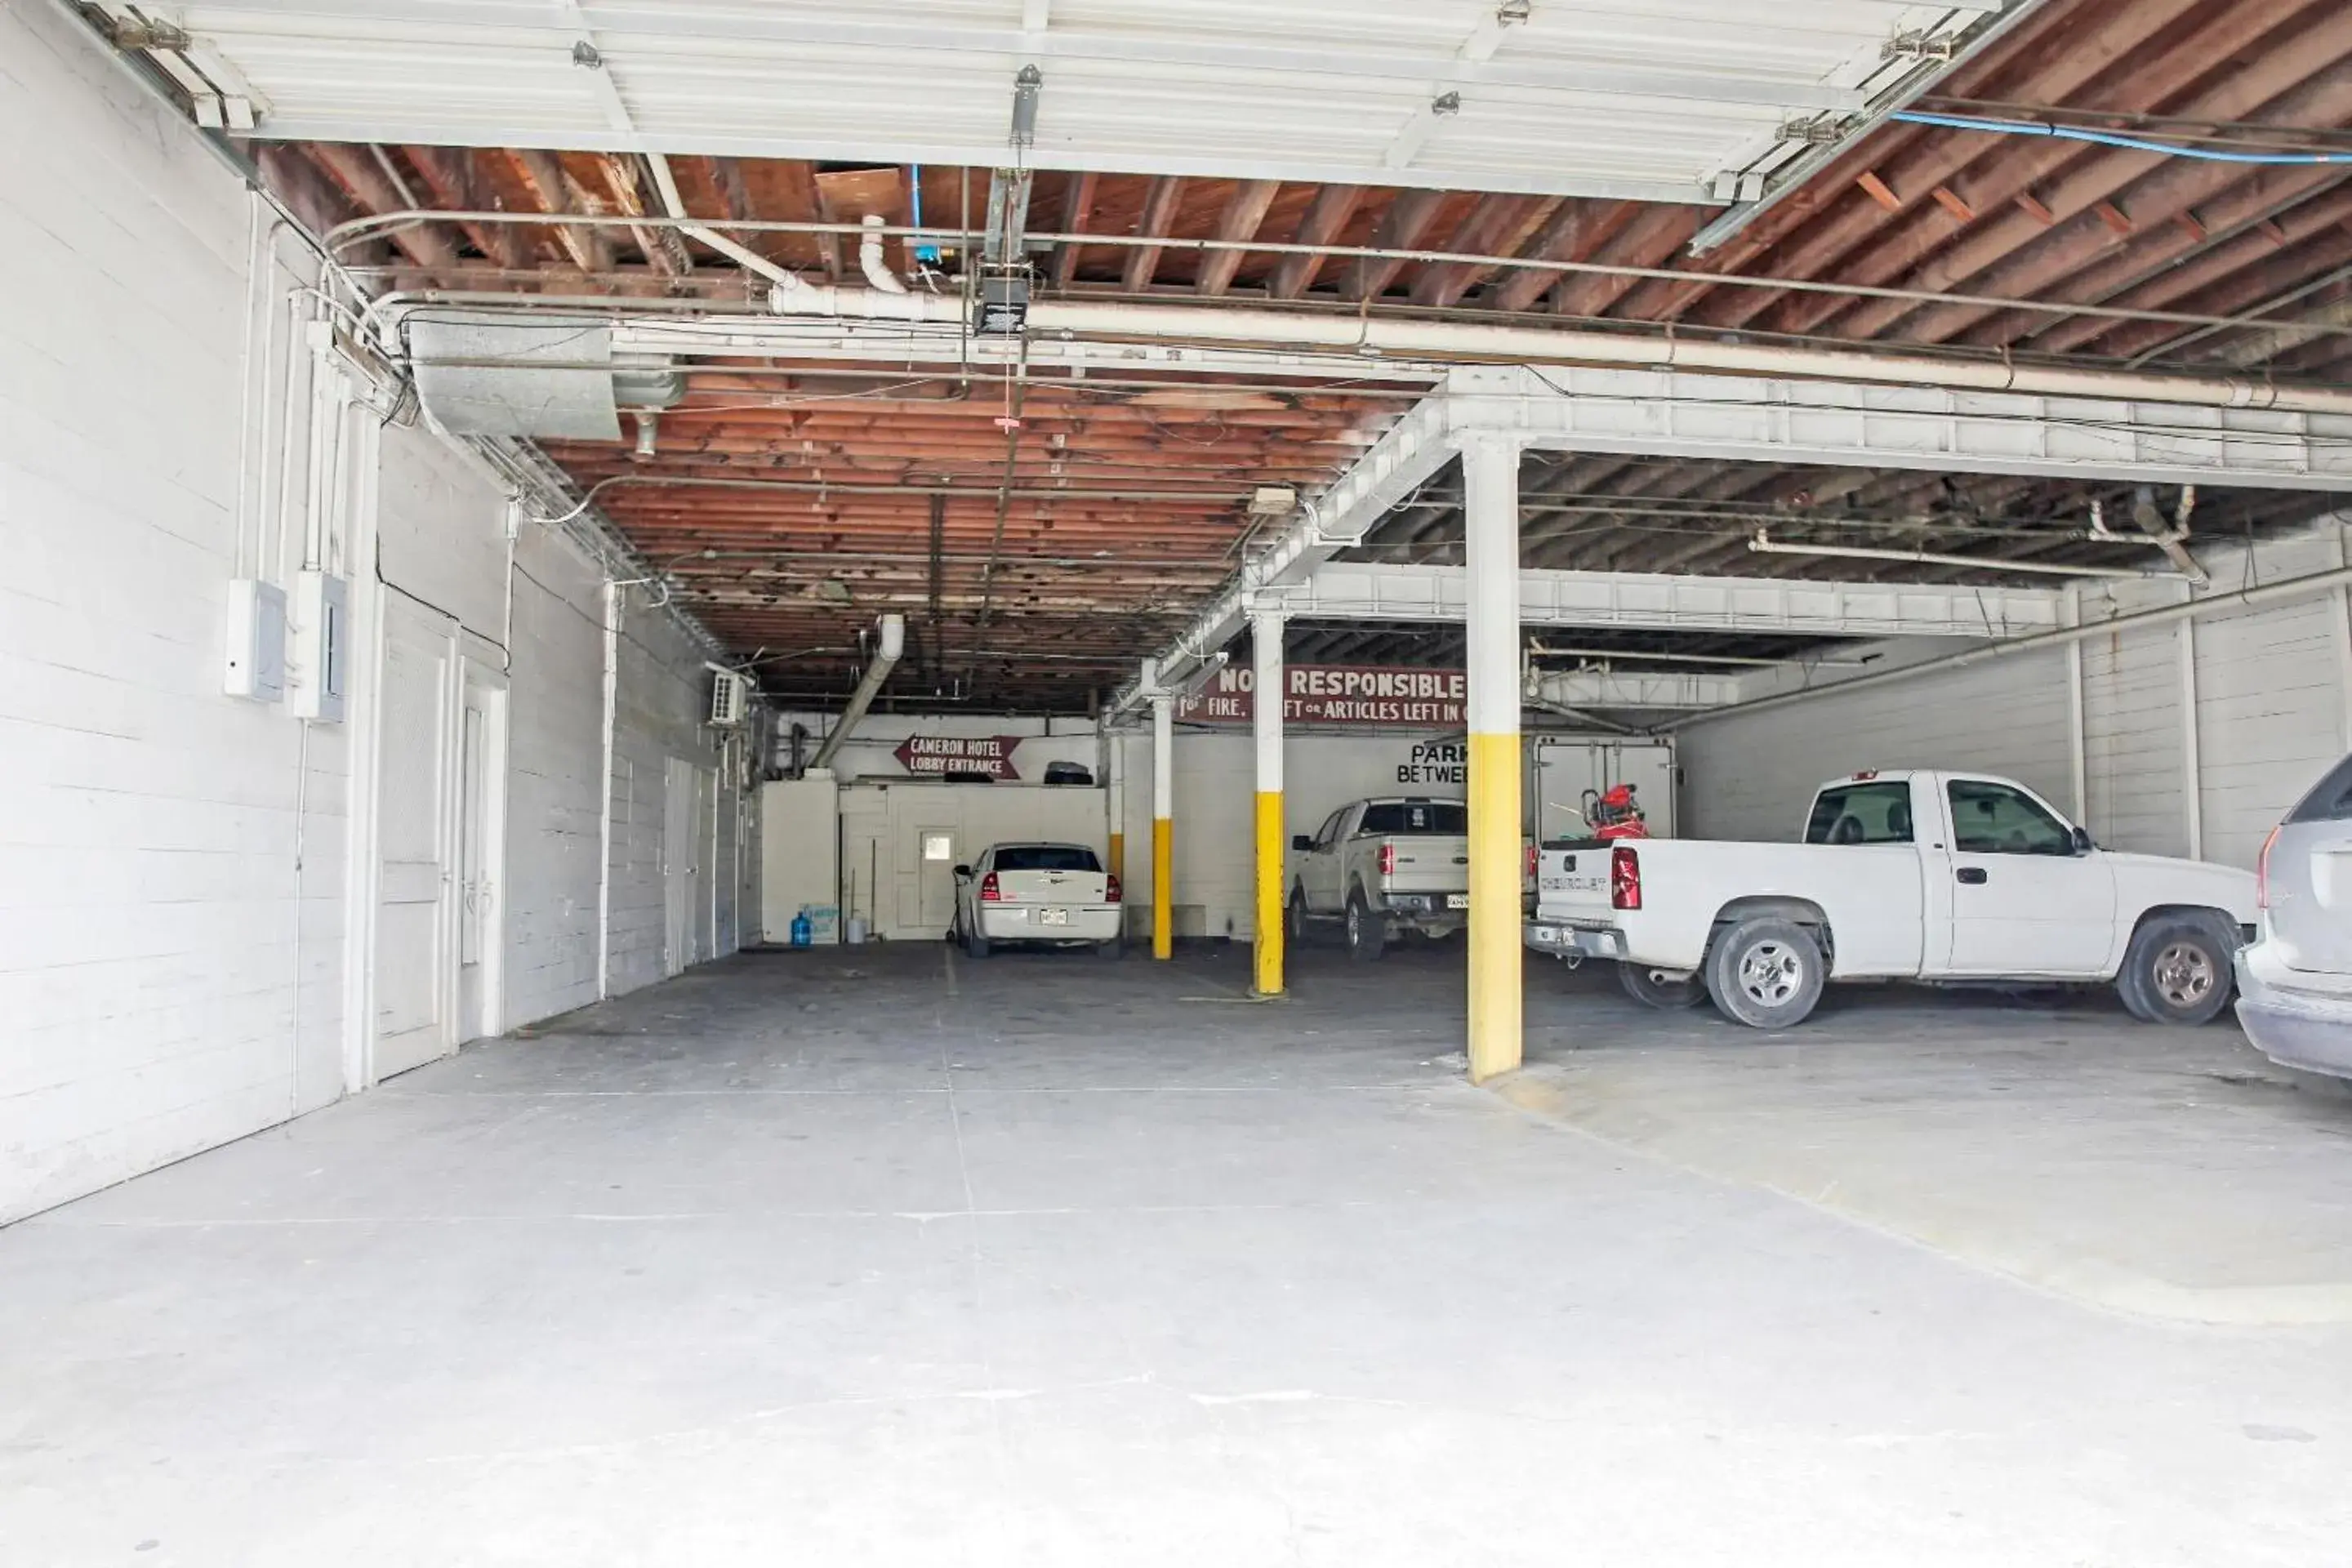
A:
<point x="1368" y="933"/>
<point x="1766" y="971"/>
<point x="2178" y="970"/>
<point x="1647" y="986"/>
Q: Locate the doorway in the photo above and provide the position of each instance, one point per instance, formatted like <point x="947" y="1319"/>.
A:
<point x="440" y="837"/>
<point x="683" y="817"/>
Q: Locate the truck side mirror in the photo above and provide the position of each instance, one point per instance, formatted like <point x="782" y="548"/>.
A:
<point x="1302" y="841"/>
<point x="2082" y="845"/>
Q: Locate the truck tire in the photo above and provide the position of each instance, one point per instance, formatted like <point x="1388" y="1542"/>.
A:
<point x="2178" y="970"/>
<point x="1766" y="971"/>
<point x="1295" y="917"/>
<point x="1643" y="985"/>
<point x="1367" y="933"/>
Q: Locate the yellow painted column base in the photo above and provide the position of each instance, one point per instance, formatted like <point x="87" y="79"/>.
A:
<point x="1496" y="878"/>
<point x="1163" y="888"/>
<point x="1267" y="975"/>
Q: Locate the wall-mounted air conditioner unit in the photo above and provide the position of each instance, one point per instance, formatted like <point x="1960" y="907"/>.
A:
<point x="731" y="698"/>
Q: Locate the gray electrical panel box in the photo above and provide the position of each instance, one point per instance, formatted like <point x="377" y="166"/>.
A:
<point x="319" y="631"/>
<point x="255" y="666"/>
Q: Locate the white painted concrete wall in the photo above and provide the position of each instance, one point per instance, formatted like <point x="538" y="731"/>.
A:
<point x="175" y="889"/>
<point x="664" y="695"/>
<point x="1216" y="790"/>
<point x="166" y="975"/>
<point x="2271" y="708"/>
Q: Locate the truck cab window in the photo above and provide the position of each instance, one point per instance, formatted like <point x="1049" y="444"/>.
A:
<point x="1996" y="819"/>
<point x="1861" y="814"/>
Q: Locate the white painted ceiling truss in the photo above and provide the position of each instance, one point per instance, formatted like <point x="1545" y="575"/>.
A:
<point x="1648" y="690"/>
<point x="1684" y="100"/>
<point x="1756" y="420"/>
<point x="1657" y="602"/>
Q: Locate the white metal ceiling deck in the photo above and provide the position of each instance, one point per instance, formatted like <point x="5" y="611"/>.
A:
<point x="1658" y="100"/>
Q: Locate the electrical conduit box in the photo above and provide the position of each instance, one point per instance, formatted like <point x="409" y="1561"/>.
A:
<point x="255" y="664"/>
<point x="319" y="632"/>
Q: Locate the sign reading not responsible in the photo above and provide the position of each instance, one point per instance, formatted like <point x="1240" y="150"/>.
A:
<point x="1364" y="695"/>
<point x="931" y="755"/>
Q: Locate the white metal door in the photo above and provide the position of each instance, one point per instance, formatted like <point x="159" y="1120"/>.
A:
<point x="680" y="879"/>
<point x="481" y="814"/>
<point x="415" y="988"/>
<point x="937" y="855"/>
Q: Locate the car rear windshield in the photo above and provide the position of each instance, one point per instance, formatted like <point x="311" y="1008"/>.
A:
<point x="2332" y="801"/>
<point x="1408" y="818"/>
<point x="1862" y="814"/>
<point x="1046" y="858"/>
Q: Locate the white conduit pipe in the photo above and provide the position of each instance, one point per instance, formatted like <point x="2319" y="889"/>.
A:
<point x="869" y="257"/>
<point x="1476" y="344"/>
<point x="2266" y="594"/>
<point x="886" y="658"/>
<point x="1763" y="545"/>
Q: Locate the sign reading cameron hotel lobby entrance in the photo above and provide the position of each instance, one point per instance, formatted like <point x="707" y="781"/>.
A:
<point x="1357" y="694"/>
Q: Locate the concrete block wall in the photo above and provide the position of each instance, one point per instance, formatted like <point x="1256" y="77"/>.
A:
<point x="167" y="975"/>
<point x="663" y="696"/>
<point x="2265" y="693"/>
<point x="177" y="894"/>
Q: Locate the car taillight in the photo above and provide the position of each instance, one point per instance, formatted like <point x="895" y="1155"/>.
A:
<point x="1388" y="860"/>
<point x="2262" y="872"/>
<point x="1111" y="890"/>
<point x="1531" y="870"/>
<point x="989" y="892"/>
<point x="1625" y="879"/>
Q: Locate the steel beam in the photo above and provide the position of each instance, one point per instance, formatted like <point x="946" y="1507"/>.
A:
<point x="1652" y="601"/>
<point x="1403" y="460"/>
<point x="1672" y="413"/>
<point x="1632" y="689"/>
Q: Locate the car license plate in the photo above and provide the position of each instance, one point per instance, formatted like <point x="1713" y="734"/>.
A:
<point x="1457" y="900"/>
<point x="1053" y="917"/>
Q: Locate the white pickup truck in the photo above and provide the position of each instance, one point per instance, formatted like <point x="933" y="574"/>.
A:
<point x="1940" y="876"/>
<point x="1377" y="866"/>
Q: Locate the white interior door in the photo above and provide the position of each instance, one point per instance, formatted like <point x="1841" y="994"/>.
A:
<point x="680" y="879"/>
<point x="416" y="986"/>
<point x="481" y="817"/>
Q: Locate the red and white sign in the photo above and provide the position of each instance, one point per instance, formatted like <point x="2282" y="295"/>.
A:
<point x="931" y="755"/>
<point x="1362" y="695"/>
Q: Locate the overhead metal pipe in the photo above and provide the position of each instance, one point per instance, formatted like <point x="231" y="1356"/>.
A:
<point x="379" y="223"/>
<point x="887" y="652"/>
<point x="1762" y="545"/>
<point x="1470" y="343"/>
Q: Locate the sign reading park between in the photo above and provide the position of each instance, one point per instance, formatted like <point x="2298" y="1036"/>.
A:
<point x="931" y="755"/>
<point x="1353" y="694"/>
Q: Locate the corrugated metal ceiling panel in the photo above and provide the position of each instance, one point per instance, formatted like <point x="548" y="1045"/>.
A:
<point x="1652" y="99"/>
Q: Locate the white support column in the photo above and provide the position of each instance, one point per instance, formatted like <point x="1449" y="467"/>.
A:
<point x="1269" y="690"/>
<point x="2192" y="784"/>
<point x="2341" y="603"/>
<point x="1163" y="825"/>
<point x="2077" y="730"/>
<point x="1115" y="782"/>
<point x="1490" y="477"/>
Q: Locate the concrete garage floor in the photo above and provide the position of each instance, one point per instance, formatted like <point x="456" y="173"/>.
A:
<point x="879" y="1257"/>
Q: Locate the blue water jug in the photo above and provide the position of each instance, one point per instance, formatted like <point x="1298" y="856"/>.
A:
<point x="803" y="933"/>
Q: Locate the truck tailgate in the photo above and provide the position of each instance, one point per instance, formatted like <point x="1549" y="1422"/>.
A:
<point x="1572" y="884"/>
<point x="1435" y="863"/>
